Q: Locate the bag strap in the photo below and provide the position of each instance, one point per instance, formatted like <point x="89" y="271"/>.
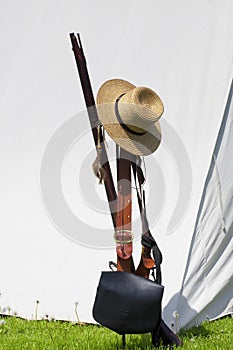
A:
<point x="148" y="242"/>
<point x="161" y="331"/>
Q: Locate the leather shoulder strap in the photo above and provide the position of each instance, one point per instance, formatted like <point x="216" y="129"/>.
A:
<point x="147" y="240"/>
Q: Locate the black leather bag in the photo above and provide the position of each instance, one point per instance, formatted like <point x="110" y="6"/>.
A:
<point x="126" y="303"/>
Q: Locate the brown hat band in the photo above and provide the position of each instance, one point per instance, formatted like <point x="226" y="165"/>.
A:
<point x="124" y="126"/>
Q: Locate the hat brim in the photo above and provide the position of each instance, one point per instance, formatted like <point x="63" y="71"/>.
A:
<point x="141" y="145"/>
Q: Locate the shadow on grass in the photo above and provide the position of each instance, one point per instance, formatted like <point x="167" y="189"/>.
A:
<point x="142" y="341"/>
<point x="200" y="331"/>
<point x="139" y="342"/>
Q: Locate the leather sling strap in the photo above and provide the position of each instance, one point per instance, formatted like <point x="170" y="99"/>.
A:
<point x="147" y="240"/>
<point x="123" y="234"/>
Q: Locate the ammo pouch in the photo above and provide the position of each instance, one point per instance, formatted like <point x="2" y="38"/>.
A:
<point x="127" y="303"/>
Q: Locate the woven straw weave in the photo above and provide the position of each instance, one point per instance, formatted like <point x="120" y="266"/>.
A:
<point x="139" y="108"/>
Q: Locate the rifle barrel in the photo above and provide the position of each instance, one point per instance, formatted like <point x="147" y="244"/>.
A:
<point x="94" y="119"/>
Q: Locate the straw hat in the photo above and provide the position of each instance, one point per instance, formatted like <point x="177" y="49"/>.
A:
<point x="130" y="115"/>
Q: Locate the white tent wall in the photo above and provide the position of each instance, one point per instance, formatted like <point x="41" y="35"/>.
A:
<point x="207" y="286"/>
<point x="183" y="51"/>
<point x="209" y="265"/>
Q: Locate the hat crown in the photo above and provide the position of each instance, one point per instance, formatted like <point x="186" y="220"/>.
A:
<point x="140" y="107"/>
<point x="130" y="115"/>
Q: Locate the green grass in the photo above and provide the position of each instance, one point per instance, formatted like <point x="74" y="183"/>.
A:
<point x="19" y="334"/>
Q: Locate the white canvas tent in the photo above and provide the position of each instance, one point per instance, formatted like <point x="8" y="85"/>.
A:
<point x="183" y="51"/>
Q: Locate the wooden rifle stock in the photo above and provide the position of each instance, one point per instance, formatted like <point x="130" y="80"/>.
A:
<point x="123" y="235"/>
<point x="94" y="121"/>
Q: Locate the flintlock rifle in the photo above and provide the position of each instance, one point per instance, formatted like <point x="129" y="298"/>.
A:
<point x="121" y="216"/>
